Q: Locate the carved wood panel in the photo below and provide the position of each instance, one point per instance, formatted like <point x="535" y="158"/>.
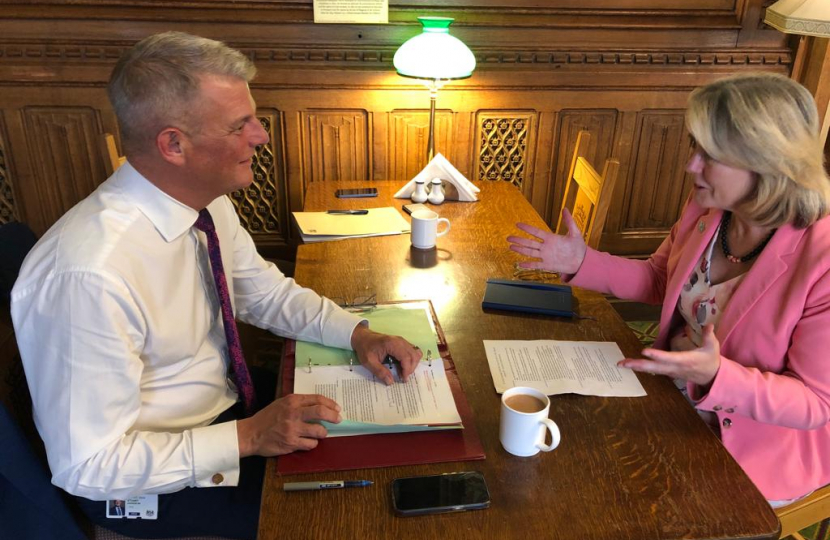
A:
<point x="336" y="145"/>
<point x="8" y="210"/>
<point x="336" y="110"/>
<point x="64" y="155"/>
<point x="658" y="185"/>
<point x="602" y="125"/>
<point x="505" y="142"/>
<point x="409" y="137"/>
<point x="262" y="207"/>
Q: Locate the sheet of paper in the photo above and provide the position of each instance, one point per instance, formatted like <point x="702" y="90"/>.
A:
<point x="320" y="226"/>
<point x="425" y="399"/>
<point x="561" y="367"/>
<point x="350" y="11"/>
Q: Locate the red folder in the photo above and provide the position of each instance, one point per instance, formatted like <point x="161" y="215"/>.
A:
<point x="392" y="449"/>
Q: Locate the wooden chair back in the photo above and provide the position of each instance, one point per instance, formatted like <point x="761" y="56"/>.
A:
<point x="588" y="193"/>
<point x="805" y="512"/>
<point x="112" y="159"/>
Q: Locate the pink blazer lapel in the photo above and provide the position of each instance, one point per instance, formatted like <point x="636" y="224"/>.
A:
<point x="768" y="267"/>
<point x="690" y="252"/>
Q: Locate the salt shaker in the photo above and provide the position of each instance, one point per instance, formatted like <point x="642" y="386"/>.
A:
<point x="436" y="194"/>
<point x="420" y="193"/>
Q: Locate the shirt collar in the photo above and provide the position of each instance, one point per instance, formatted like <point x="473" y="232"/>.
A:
<point x="170" y="217"/>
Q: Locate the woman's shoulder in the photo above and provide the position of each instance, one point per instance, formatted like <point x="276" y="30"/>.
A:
<point x="816" y="235"/>
<point x="808" y="248"/>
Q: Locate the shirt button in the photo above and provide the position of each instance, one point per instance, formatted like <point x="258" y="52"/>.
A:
<point x="717" y="408"/>
<point x="727" y="423"/>
<point x="217" y="479"/>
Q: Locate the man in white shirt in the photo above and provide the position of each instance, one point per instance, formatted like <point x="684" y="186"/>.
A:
<point x="119" y="321"/>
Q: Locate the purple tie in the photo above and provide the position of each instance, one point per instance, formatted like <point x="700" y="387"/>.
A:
<point x="239" y="370"/>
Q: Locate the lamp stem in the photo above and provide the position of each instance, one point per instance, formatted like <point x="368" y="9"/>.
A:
<point x="433" y="97"/>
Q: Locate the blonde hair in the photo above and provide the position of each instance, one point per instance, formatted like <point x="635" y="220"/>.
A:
<point x="154" y="84"/>
<point x="767" y="124"/>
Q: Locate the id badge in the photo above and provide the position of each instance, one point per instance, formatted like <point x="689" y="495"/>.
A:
<point x="141" y="507"/>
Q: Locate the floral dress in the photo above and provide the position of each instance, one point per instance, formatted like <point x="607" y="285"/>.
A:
<point x="702" y="303"/>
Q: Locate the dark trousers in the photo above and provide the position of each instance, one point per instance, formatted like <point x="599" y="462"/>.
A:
<point x="231" y="512"/>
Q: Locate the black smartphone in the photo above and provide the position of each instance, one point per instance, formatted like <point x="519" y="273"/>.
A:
<point x="409" y="208"/>
<point x="441" y="493"/>
<point x="356" y="193"/>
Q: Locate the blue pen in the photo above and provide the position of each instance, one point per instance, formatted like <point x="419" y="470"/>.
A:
<point x="330" y="484"/>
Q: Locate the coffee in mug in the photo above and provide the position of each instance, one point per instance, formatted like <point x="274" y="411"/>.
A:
<point x="524" y="422"/>
<point x="425" y="228"/>
<point x="524" y="403"/>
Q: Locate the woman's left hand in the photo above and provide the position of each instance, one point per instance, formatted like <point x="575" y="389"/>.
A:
<point x="697" y="365"/>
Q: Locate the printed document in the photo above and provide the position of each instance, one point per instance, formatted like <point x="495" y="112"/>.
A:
<point x="561" y="367"/>
<point x="425" y="402"/>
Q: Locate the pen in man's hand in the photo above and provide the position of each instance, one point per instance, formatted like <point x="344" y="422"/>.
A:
<point x="331" y="484"/>
<point x="394" y="365"/>
<point x="348" y="212"/>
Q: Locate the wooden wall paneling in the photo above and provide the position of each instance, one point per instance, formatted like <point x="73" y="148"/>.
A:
<point x="754" y="31"/>
<point x="602" y="125"/>
<point x="262" y="206"/>
<point x="814" y="73"/>
<point x="506" y="140"/>
<point x="8" y="208"/>
<point x="336" y="145"/>
<point x="380" y="145"/>
<point x="627" y="123"/>
<point x="657" y="185"/>
<point x="542" y="185"/>
<point x="464" y="147"/>
<point x="65" y="157"/>
<point x="559" y="59"/>
<point x="408" y="138"/>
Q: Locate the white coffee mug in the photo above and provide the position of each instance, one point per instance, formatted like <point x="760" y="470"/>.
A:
<point x="525" y="421"/>
<point x="425" y="228"/>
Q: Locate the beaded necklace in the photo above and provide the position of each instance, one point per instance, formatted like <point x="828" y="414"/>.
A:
<point x="724" y="227"/>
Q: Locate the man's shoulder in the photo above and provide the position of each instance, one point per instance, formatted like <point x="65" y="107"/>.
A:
<point x="92" y="235"/>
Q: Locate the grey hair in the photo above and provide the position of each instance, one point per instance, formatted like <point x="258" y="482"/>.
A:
<point x="154" y="84"/>
<point x="767" y="124"/>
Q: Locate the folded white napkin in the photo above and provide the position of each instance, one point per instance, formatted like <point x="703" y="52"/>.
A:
<point x="456" y="185"/>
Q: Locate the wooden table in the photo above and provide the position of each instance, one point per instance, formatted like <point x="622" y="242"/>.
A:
<point x="627" y="468"/>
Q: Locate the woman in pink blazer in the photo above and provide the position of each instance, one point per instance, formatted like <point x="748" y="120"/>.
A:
<point x="743" y="277"/>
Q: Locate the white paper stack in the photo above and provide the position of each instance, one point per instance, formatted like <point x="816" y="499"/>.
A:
<point x="456" y="185"/>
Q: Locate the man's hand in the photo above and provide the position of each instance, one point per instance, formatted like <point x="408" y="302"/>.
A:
<point x="372" y="349"/>
<point x="698" y="365"/>
<point x="286" y="425"/>
<point x="555" y="252"/>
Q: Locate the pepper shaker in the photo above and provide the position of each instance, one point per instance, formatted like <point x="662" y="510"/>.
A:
<point x="420" y="193"/>
<point x="436" y="194"/>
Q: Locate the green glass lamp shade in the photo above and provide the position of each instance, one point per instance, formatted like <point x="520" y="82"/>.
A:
<point x="434" y="53"/>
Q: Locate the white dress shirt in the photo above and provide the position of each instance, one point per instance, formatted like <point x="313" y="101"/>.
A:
<point x="119" y="328"/>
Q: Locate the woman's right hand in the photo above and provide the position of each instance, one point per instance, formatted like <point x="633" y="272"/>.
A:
<point x="553" y="252"/>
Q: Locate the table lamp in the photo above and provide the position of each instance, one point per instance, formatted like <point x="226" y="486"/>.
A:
<point x="435" y="57"/>
<point x="807" y="17"/>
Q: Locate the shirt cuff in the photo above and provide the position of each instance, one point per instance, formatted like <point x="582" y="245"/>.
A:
<point x="339" y="329"/>
<point x="216" y="455"/>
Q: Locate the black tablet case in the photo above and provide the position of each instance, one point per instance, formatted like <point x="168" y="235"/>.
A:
<point x="529" y="297"/>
